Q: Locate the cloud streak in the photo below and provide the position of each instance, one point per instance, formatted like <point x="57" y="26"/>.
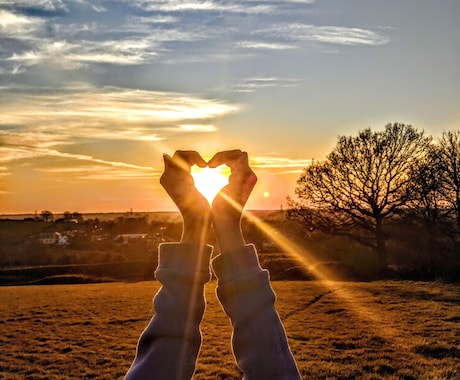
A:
<point x="17" y="152"/>
<point x="72" y="55"/>
<point x="273" y="162"/>
<point x="106" y="171"/>
<point x="337" y="35"/>
<point x="259" y="45"/>
<point x="107" y="108"/>
<point x="259" y="83"/>
<point x="249" y="7"/>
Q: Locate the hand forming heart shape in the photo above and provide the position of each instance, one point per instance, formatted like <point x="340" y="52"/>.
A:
<point x="178" y="182"/>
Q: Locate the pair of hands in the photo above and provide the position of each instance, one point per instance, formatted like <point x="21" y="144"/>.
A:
<point x="227" y="207"/>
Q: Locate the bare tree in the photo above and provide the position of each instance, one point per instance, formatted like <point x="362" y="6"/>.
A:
<point x="434" y="210"/>
<point x="363" y="181"/>
<point x="448" y="151"/>
<point x="425" y="213"/>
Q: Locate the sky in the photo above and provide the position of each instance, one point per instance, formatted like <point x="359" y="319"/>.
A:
<point x="93" y="92"/>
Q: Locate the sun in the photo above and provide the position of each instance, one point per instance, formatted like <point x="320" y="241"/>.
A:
<point x="210" y="181"/>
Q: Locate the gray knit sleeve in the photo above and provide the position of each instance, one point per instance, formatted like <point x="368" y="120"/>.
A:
<point x="168" y="347"/>
<point x="259" y="340"/>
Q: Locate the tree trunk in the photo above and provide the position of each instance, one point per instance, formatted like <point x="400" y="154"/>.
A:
<point x="458" y="210"/>
<point x="381" y="242"/>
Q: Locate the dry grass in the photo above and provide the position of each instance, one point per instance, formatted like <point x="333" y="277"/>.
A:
<point x="378" y="330"/>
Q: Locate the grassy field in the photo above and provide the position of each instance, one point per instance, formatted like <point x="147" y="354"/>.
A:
<point x="376" y="330"/>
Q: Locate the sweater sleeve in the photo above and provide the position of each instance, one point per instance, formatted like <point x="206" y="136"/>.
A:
<point x="259" y="340"/>
<point x="169" y="346"/>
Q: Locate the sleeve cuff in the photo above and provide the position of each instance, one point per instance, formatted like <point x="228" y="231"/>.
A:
<point x="236" y="264"/>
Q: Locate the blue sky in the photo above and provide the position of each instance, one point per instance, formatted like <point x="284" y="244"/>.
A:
<point x="93" y="92"/>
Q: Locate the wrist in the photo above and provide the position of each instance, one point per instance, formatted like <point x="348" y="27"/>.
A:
<point x="195" y="231"/>
<point x="229" y="237"/>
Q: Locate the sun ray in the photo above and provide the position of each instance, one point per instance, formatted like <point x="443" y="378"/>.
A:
<point x="195" y="294"/>
<point x="330" y="281"/>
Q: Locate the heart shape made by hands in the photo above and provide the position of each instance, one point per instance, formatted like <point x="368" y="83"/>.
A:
<point x="209" y="181"/>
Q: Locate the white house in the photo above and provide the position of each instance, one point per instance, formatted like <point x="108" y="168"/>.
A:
<point x="49" y="237"/>
<point x="63" y="240"/>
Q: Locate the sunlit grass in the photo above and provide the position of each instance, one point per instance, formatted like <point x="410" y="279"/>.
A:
<point x="90" y="331"/>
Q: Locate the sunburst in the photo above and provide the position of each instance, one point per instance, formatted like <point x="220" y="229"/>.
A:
<point x="210" y="181"/>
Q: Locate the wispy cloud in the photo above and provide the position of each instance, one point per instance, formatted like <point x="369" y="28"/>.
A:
<point x="342" y="35"/>
<point x="248" y="7"/>
<point x="99" y="8"/>
<point x="197" y="128"/>
<point x="264" y="45"/>
<point x="133" y="22"/>
<point x="87" y="106"/>
<point x="325" y="34"/>
<point x="273" y="162"/>
<point x="18" y="152"/>
<point x="107" y="172"/>
<point x="18" y="25"/>
<point x="72" y="55"/>
<point x="258" y="83"/>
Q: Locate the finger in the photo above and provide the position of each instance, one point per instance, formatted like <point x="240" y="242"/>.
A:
<point x="230" y="158"/>
<point x="167" y="161"/>
<point x="187" y="158"/>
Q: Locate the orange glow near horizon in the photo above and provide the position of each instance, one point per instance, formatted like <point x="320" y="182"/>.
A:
<point x="98" y="190"/>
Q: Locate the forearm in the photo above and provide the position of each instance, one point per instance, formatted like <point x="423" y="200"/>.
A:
<point x="259" y="340"/>
<point x="169" y="346"/>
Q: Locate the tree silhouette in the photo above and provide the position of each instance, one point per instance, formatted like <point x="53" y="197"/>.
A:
<point x="363" y="181"/>
<point x="428" y="178"/>
<point x="77" y="216"/>
<point x="448" y="152"/>
<point x="425" y="213"/>
<point x="47" y="216"/>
